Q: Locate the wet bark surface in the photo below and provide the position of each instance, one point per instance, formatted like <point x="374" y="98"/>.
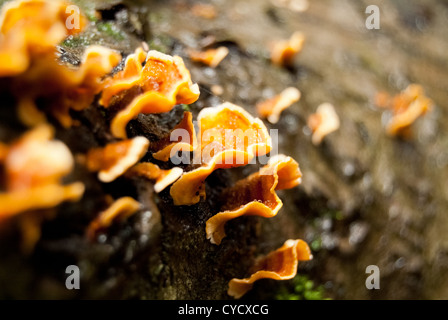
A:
<point x="365" y="199"/>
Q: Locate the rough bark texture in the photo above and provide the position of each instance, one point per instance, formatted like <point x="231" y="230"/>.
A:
<point x="365" y="199"/>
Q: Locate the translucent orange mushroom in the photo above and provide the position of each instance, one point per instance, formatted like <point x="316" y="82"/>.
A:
<point x="280" y="264"/>
<point x="70" y="88"/>
<point x="125" y="79"/>
<point x="121" y="208"/>
<point x="163" y="178"/>
<point x="228" y="137"/>
<point x="30" y="32"/>
<point x="162" y="83"/>
<point x="210" y="57"/>
<point x="35" y="160"/>
<point x="272" y="108"/>
<point x="283" y="52"/>
<point x="323" y="122"/>
<point x="64" y="88"/>
<point x="406" y="108"/>
<point x="116" y="158"/>
<point x="255" y="195"/>
<point x="29" y="28"/>
<point x="33" y="167"/>
<point x="181" y="139"/>
<point x="42" y="197"/>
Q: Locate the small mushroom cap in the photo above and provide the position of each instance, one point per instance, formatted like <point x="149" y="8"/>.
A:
<point x="272" y="108"/>
<point x="400" y="122"/>
<point x="323" y="122"/>
<point x="121" y="208"/>
<point x="280" y="264"/>
<point x="151" y="171"/>
<point x="35" y="160"/>
<point x="210" y="57"/>
<point x="181" y="138"/>
<point x="164" y="81"/>
<point x="82" y="84"/>
<point x="33" y="167"/>
<point x="229" y="137"/>
<point x="116" y="158"/>
<point x="408" y="106"/>
<point x="125" y="79"/>
<point x="228" y="131"/>
<point x="43" y="197"/>
<point x="255" y="195"/>
<point x="283" y="52"/>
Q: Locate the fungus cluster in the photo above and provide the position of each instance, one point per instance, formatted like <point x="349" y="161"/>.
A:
<point x="228" y="137"/>
<point x="30" y="31"/>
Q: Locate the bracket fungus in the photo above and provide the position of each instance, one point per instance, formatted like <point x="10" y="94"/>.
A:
<point x="121" y="208"/>
<point x="124" y="79"/>
<point x="32" y="28"/>
<point x="255" y="195"/>
<point x="157" y="87"/>
<point x="30" y="32"/>
<point x="283" y="52"/>
<point x="151" y="82"/>
<point x="33" y="167"/>
<point x="323" y="122"/>
<point x="181" y="139"/>
<point x="272" y="108"/>
<point x="406" y="108"/>
<point x="280" y="264"/>
<point x="228" y="137"/>
<point x="210" y="57"/>
<point x="116" y="158"/>
<point x="71" y="88"/>
<point x="151" y="171"/>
